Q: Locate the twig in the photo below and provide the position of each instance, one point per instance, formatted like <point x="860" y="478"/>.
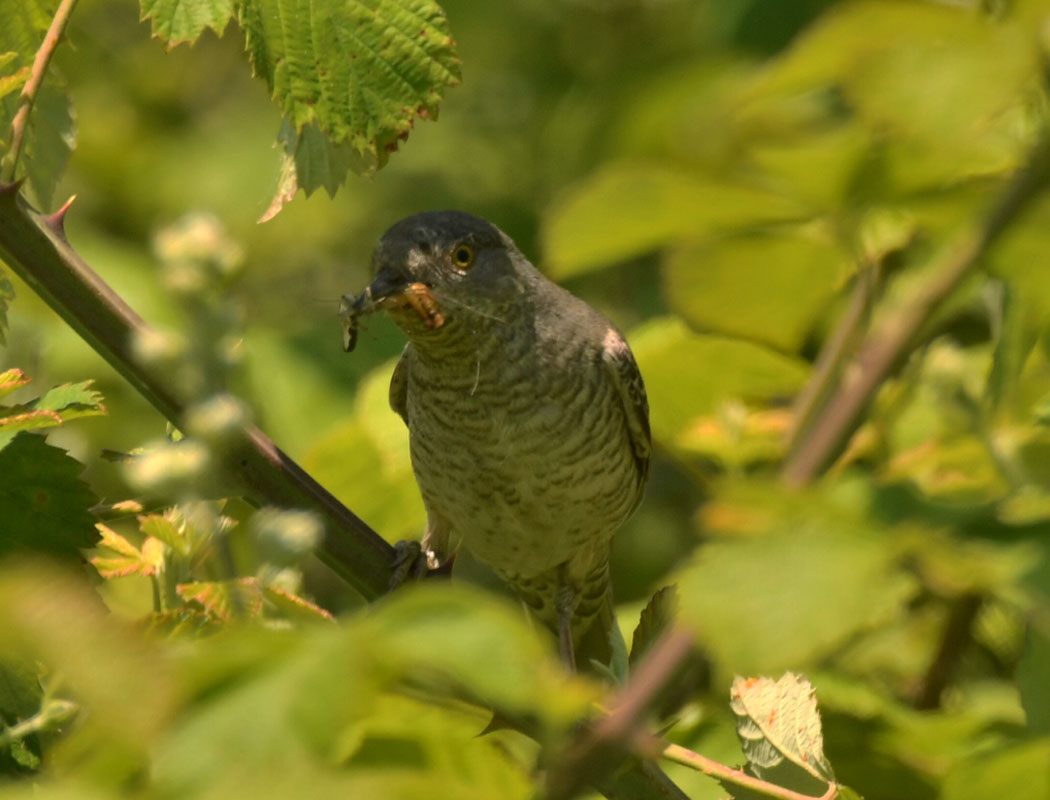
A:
<point x="41" y="60"/>
<point x="827" y="370"/>
<point x="720" y="772"/>
<point x="600" y="748"/>
<point x="958" y="632"/>
<point x="889" y="345"/>
<point x="35" y="247"/>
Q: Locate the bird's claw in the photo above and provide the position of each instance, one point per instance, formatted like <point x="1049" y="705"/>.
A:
<point x="413" y="563"/>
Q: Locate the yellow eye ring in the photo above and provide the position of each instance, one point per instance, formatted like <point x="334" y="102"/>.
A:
<point x="463" y="256"/>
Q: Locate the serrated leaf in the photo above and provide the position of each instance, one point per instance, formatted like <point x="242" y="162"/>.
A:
<point x="7" y="294"/>
<point x="225" y="599"/>
<point x="361" y="72"/>
<point x="779" y="729"/>
<point x="72" y="400"/>
<point x="178" y="21"/>
<point x="165" y="530"/>
<point x="656" y="619"/>
<point x="44" y="506"/>
<point x="12" y="379"/>
<point x="629" y="209"/>
<point x="311" y="161"/>
<point x="116" y="557"/>
<point x="293" y="606"/>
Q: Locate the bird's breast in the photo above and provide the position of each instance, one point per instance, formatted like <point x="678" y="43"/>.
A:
<point x="529" y="464"/>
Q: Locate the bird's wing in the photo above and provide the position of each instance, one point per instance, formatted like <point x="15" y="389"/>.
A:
<point x="623" y="371"/>
<point x="399" y="385"/>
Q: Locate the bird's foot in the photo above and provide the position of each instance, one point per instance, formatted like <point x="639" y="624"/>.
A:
<point x="413" y="563"/>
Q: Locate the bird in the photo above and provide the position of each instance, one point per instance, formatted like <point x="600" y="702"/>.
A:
<point x="527" y="416"/>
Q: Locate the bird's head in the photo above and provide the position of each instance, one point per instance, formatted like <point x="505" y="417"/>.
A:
<point x="439" y="272"/>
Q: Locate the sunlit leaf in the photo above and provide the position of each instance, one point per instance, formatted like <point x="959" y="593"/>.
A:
<point x="116" y="557"/>
<point x="720" y="370"/>
<point x="44" y="506"/>
<point x="225" y="600"/>
<point x="498" y="656"/>
<point x="294" y="606"/>
<point x="760" y="596"/>
<point x="12" y="379"/>
<point x="178" y="21"/>
<point x="1017" y="770"/>
<point x="629" y="209"/>
<point x="779" y="728"/>
<point x="767" y="288"/>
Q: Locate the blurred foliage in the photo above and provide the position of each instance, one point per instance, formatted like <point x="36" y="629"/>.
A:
<point x="719" y="178"/>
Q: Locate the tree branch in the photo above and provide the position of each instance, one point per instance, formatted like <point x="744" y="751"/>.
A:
<point x="600" y="748"/>
<point x="35" y="247"/>
<point x="958" y="632"/>
<point x="737" y="777"/>
<point x="889" y="345"/>
<point x="41" y="60"/>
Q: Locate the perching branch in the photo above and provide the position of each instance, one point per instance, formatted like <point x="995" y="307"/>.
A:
<point x="888" y="346"/>
<point x="35" y="247"/>
<point x="41" y="60"/>
<point x="737" y="777"/>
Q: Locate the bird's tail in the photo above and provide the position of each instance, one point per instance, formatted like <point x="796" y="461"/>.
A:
<point x="602" y="642"/>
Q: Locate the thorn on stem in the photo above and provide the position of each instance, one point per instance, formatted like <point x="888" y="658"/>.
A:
<point x="11" y="188"/>
<point x="56" y="221"/>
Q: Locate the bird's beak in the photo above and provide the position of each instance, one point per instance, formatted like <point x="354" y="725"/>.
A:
<point x="387" y="284"/>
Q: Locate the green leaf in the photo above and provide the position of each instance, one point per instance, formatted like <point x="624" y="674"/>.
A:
<point x="20" y="690"/>
<point x="12" y="379"/>
<point x="65" y="402"/>
<point x="1019" y="770"/>
<point x="360" y="72"/>
<point x="720" y="371"/>
<point x="178" y="21"/>
<point x="44" y="506"/>
<point x="50" y="141"/>
<point x="72" y="400"/>
<point x="116" y="557"/>
<point x="457" y="636"/>
<point x="941" y="79"/>
<point x="225" y="600"/>
<point x="629" y="209"/>
<point x="788" y="579"/>
<point x="1032" y="672"/>
<point x="780" y="731"/>
<point x="656" y="619"/>
<point x="7" y="294"/>
<point x="768" y="287"/>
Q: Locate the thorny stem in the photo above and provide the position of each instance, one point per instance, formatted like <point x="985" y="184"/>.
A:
<point x="888" y="346"/>
<point x="719" y="771"/>
<point x="41" y="60"/>
<point x="35" y="247"/>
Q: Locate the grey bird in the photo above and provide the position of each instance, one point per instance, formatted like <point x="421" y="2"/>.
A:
<point x="527" y="416"/>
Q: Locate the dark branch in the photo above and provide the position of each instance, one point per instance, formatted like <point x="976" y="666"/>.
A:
<point x="35" y="247"/>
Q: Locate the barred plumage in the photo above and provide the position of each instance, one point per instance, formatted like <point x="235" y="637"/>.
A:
<point x="527" y="414"/>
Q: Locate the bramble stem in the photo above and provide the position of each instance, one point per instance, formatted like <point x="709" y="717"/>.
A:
<point x="36" y="249"/>
<point x="41" y="60"/>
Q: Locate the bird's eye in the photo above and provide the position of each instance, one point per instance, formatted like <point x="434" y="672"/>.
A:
<point x="463" y="256"/>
